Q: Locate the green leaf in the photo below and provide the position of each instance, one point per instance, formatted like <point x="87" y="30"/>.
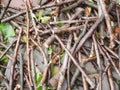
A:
<point x="55" y="70"/>
<point x="39" y="78"/>
<point x="4" y="59"/>
<point x="40" y="15"/>
<point x="7" y="30"/>
<point x="60" y="24"/>
<point x="50" y="51"/>
<point x="45" y="19"/>
<point x="25" y="39"/>
<point x="119" y="2"/>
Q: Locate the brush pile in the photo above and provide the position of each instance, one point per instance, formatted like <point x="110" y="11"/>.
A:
<point x="60" y="45"/>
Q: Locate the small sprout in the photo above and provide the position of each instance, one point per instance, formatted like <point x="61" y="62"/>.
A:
<point x="50" y="51"/>
<point x="45" y="19"/>
<point x="40" y="15"/>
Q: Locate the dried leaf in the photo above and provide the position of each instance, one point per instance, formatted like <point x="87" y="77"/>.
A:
<point x="116" y="30"/>
<point x="88" y="11"/>
<point x="55" y="13"/>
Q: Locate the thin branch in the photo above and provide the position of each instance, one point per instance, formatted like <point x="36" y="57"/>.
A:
<point x="14" y="61"/>
<point x="32" y="18"/>
<point x="64" y="66"/>
<point x="49" y="40"/>
<point x="73" y="59"/>
<point x="63" y="29"/>
<point x="74" y="21"/>
<point x="107" y="19"/>
<point x="72" y="6"/>
<point x="92" y="29"/>
<point x="85" y="84"/>
<point x="98" y="61"/>
<point x="11" y="58"/>
<point x="7" y="49"/>
<point x="110" y="78"/>
<point x="36" y="8"/>
<point x="76" y="64"/>
<point x="33" y="69"/>
<point x="21" y="70"/>
<point x="4" y="11"/>
<point x="28" y="42"/>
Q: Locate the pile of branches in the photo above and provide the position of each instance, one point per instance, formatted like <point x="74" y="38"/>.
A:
<point x="77" y="47"/>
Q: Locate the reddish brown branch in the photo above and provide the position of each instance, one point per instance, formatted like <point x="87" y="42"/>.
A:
<point x="7" y="49"/>
<point x="14" y="61"/>
<point x="36" y="8"/>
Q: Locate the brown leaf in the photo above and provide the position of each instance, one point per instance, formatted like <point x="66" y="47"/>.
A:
<point x="116" y="30"/>
<point x="55" y="12"/>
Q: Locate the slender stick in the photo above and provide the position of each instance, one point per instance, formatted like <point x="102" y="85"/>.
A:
<point x="98" y="61"/>
<point x="7" y="49"/>
<point x="110" y="78"/>
<point x="74" y="61"/>
<point x="107" y="19"/>
<point x="4" y="11"/>
<point x="64" y="66"/>
<point x="33" y="69"/>
<point x="92" y="29"/>
<point x="36" y="8"/>
<point x="14" y="61"/>
<point x="21" y="71"/>
<point x="28" y="42"/>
